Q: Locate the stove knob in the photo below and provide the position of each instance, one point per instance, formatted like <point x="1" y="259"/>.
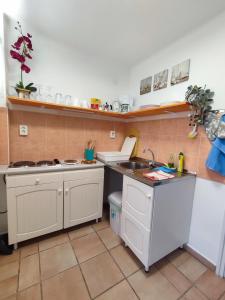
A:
<point x="37" y="181"/>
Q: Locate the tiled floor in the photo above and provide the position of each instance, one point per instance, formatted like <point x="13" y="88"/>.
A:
<point x="91" y="262"/>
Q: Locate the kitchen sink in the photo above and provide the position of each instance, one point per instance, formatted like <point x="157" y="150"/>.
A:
<point x="134" y="165"/>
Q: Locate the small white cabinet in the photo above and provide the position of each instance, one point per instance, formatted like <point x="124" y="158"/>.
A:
<point x="83" y="196"/>
<point x="156" y="221"/>
<point x="34" y="208"/>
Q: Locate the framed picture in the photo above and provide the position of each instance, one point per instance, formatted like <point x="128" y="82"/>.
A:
<point x="146" y="85"/>
<point x="160" y="80"/>
<point x="180" y="72"/>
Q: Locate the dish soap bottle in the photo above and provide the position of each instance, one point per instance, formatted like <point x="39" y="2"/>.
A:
<point x="181" y="162"/>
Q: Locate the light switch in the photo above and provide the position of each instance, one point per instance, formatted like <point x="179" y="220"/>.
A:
<point x="23" y="130"/>
<point x="112" y="134"/>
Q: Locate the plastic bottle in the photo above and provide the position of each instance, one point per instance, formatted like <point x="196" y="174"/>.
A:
<point x="181" y="162"/>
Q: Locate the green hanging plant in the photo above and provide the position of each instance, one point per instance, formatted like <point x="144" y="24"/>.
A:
<point x="200" y="100"/>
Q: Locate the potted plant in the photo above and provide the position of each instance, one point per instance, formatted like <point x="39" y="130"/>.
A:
<point x="21" y="51"/>
<point x="200" y="100"/>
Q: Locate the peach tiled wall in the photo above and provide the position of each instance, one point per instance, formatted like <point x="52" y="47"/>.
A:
<point x="60" y="137"/>
<point x="3" y="135"/>
<point x="63" y="137"/>
<point x="170" y="136"/>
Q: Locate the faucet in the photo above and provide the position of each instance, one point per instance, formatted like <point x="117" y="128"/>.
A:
<point x="151" y="162"/>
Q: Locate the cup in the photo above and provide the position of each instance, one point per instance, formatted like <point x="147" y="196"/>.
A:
<point x="89" y="154"/>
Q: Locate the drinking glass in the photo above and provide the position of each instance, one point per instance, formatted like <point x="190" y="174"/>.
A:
<point x="59" y="98"/>
<point x="68" y="100"/>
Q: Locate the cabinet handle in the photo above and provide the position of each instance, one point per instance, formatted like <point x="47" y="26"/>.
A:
<point x="149" y="196"/>
<point x="59" y="191"/>
<point x="66" y="191"/>
<point x="37" y="181"/>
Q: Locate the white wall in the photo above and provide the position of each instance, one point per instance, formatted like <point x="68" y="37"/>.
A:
<point x="64" y="68"/>
<point x="207" y="218"/>
<point x="2" y="62"/>
<point x="206" y="49"/>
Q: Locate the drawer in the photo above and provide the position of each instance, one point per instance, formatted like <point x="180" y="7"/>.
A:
<point x="33" y="179"/>
<point x="137" y="200"/>
<point x="84" y="174"/>
<point x="136" y="237"/>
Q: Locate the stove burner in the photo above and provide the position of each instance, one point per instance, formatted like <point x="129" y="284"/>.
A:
<point x="25" y="163"/>
<point x="45" y="163"/>
<point x="70" y="161"/>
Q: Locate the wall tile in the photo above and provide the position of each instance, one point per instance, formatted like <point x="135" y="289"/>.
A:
<point x="4" y="136"/>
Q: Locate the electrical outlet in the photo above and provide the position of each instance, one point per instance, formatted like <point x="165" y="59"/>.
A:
<point x="23" y="129"/>
<point x="112" y="134"/>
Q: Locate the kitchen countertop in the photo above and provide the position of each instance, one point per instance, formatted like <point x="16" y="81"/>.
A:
<point x="135" y="174"/>
<point x="4" y="169"/>
<point x="138" y="175"/>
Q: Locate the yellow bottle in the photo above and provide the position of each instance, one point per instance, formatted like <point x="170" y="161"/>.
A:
<point x="181" y="162"/>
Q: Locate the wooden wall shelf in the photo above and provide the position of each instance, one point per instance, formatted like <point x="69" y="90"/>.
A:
<point x="165" y="109"/>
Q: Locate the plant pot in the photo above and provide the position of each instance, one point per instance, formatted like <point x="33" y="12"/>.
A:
<point x="23" y="93"/>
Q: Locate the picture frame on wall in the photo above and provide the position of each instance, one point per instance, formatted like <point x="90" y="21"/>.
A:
<point x="180" y="72"/>
<point x="146" y="85"/>
<point x="160" y="80"/>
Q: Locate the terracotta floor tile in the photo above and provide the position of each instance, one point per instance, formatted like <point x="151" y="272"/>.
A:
<point x="181" y="283"/>
<point x="8" y="287"/>
<point x="192" y="269"/>
<point x="100" y="273"/>
<point x="56" y="259"/>
<point x="32" y="293"/>
<point x="67" y="285"/>
<point x="11" y="298"/>
<point x="53" y="241"/>
<point x="29" y="250"/>
<point x="5" y="259"/>
<point x="126" y="260"/>
<point x="223" y="297"/>
<point x="121" y="291"/>
<point x="211" y="285"/>
<point x="87" y="247"/>
<point x="101" y="225"/>
<point x="77" y="233"/>
<point x="178" y="257"/>
<point x="9" y="270"/>
<point x="109" y="238"/>
<point x="152" y="286"/>
<point x="194" y="294"/>
<point x="29" y="271"/>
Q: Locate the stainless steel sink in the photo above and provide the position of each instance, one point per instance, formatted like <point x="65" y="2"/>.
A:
<point x="133" y="165"/>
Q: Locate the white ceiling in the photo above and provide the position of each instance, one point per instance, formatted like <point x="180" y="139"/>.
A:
<point x="123" y="30"/>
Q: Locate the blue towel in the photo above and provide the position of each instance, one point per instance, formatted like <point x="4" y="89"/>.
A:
<point x="216" y="158"/>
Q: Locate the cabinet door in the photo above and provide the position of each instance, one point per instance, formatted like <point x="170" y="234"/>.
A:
<point x="83" y="201"/>
<point x="137" y="200"/>
<point x="136" y="237"/>
<point x="34" y="211"/>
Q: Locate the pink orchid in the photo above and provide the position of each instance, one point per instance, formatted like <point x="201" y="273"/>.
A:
<point x="17" y="56"/>
<point x="25" y="68"/>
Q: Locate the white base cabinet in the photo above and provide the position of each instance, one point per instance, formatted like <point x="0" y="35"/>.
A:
<point x="42" y="203"/>
<point x="156" y="221"/>
<point x="34" y="209"/>
<point x="83" y="196"/>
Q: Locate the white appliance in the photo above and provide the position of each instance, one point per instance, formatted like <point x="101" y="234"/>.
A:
<point x="124" y="154"/>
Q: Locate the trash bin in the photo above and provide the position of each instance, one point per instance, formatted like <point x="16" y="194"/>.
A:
<point x="115" y="202"/>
